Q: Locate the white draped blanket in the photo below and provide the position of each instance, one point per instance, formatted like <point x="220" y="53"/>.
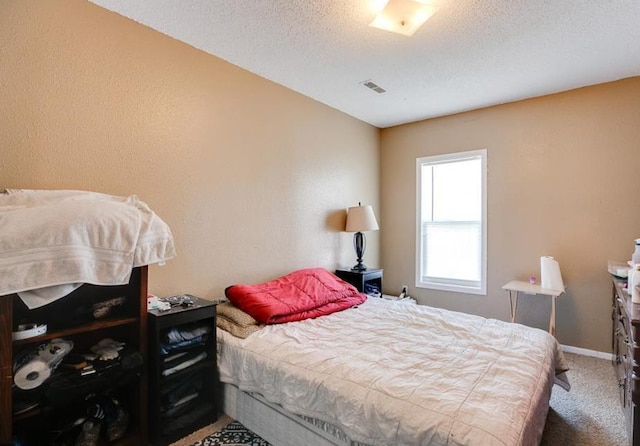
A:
<point x="392" y="373"/>
<point x="53" y="241"/>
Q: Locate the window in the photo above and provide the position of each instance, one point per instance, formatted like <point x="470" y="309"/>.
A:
<point x="452" y="222"/>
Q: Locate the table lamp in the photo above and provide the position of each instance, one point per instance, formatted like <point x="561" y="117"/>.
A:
<point x="360" y="219"/>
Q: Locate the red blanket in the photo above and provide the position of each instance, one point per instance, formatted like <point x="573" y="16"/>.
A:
<point x="302" y="294"/>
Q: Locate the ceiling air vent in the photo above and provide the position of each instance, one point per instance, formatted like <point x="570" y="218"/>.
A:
<point x="372" y="85"/>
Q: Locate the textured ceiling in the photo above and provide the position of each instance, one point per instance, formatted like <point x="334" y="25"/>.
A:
<point x="470" y="54"/>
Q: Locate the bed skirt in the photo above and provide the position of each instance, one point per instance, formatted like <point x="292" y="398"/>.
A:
<point x="277" y="426"/>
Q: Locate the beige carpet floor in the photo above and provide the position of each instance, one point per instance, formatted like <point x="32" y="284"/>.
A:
<point x="589" y="415"/>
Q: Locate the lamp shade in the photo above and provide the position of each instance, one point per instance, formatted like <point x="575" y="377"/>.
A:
<point x="360" y="219"/>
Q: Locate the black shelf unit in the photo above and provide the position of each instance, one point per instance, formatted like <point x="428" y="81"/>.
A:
<point x="168" y="424"/>
<point x="70" y="318"/>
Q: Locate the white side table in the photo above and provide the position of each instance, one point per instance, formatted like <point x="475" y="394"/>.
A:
<point x="515" y="287"/>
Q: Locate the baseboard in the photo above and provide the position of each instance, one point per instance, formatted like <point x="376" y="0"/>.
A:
<point x="587" y="352"/>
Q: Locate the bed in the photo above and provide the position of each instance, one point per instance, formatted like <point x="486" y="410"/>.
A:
<point x="383" y="372"/>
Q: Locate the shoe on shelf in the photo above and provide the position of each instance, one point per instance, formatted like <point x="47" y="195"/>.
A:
<point x="89" y="434"/>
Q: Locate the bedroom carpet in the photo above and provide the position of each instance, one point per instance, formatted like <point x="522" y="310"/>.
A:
<point x="589" y="415"/>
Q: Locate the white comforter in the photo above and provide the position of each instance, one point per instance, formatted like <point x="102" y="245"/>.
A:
<point x="392" y="373"/>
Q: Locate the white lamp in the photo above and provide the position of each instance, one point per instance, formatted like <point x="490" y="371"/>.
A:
<point x="360" y="219"/>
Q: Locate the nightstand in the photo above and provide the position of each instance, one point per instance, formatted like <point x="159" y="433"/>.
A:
<point x="364" y="281"/>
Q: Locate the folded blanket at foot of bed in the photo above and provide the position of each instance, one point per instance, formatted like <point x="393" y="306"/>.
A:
<point x="302" y="294"/>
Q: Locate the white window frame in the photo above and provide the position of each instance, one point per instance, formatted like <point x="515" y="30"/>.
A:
<point x="451" y="284"/>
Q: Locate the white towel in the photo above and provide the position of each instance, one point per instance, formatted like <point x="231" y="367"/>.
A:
<point x="61" y="239"/>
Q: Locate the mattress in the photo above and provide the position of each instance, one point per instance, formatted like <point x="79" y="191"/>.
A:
<point x="394" y="373"/>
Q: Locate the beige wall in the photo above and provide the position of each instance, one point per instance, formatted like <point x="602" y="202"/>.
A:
<point x="563" y="176"/>
<point x="252" y="178"/>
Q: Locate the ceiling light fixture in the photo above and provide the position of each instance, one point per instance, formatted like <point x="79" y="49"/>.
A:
<point x="403" y="16"/>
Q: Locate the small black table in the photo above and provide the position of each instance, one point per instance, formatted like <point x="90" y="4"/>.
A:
<point x="362" y="280"/>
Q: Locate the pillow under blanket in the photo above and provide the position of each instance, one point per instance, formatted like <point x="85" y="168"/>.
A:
<point x="299" y="295"/>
